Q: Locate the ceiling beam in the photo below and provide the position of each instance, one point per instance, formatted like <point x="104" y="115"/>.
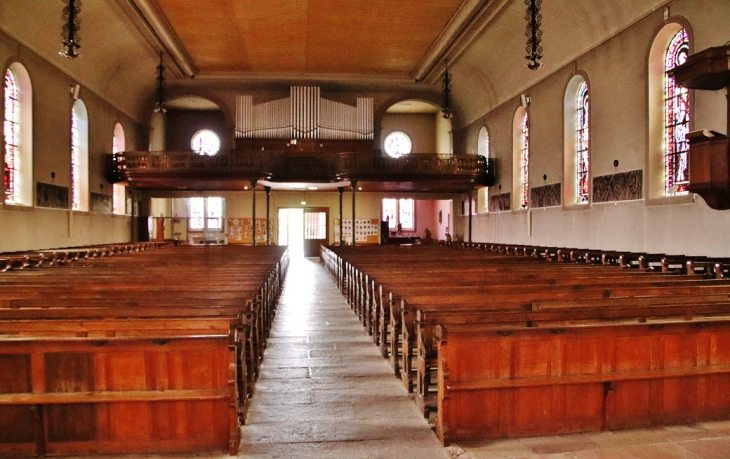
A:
<point x="468" y="21"/>
<point x="153" y="24"/>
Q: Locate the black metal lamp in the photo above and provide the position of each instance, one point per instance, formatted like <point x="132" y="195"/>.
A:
<point x="160" y="105"/>
<point x="70" y="37"/>
<point x="533" y="34"/>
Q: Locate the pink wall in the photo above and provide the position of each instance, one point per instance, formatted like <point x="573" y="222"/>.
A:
<point x="445" y="206"/>
<point x="426" y="217"/>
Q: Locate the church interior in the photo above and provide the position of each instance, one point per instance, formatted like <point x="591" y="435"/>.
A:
<point x="227" y="224"/>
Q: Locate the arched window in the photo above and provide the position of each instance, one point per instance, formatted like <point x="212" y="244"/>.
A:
<point x="12" y="138"/>
<point x="18" y="138"/>
<point x="676" y="118"/>
<point x="525" y="163"/>
<point x="483" y="150"/>
<point x="667" y="171"/>
<point x="118" y="195"/>
<point x="582" y="151"/>
<point x="576" y="141"/>
<point x="520" y="159"/>
<point x="397" y="144"/>
<point x="79" y="157"/>
<point x="206" y="142"/>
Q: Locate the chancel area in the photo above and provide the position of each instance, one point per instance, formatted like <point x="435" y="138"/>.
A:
<point x="445" y="228"/>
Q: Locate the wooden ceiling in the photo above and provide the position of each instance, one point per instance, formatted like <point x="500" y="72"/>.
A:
<point x="341" y="37"/>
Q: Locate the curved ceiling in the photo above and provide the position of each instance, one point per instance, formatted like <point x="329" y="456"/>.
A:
<point x="117" y="62"/>
<point x="351" y="42"/>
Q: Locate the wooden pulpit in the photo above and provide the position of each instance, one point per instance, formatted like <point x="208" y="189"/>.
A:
<point x="709" y="168"/>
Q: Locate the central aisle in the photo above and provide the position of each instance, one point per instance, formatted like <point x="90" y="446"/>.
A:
<point x="324" y="390"/>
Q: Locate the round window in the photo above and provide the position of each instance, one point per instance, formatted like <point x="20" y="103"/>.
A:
<point x="206" y="142"/>
<point x="397" y="144"/>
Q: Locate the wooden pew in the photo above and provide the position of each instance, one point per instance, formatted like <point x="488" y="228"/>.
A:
<point x="112" y="298"/>
<point x="590" y="312"/>
<point x="517" y="381"/>
<point x="118" y="395"/>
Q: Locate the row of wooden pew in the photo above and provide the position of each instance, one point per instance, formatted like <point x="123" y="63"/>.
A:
<point x="60" y="257"/>
<point x="516" y="340"/>
<point x="143" y="351"/>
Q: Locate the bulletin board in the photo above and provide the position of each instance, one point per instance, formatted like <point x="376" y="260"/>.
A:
<point x="366" y="230"/>
<point x="240" y="230"/>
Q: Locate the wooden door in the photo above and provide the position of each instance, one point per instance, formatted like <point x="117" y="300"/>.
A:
<point x="316" y="230"/>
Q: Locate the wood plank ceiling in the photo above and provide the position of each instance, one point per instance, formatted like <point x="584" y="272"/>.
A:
<point x="341" y="37"/>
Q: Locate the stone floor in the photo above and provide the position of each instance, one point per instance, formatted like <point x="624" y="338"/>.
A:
<point x="325" y="392"/>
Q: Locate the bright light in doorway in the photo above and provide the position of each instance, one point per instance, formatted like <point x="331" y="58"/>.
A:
<point x="304" y="203"/>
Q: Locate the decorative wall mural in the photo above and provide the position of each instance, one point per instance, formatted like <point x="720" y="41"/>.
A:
<point x="545" y="196"/>
<point x="101" y="203"/>
<point x="53" y="196"/>
<point x="625" y="186"/>
<point x="499" y="202"/>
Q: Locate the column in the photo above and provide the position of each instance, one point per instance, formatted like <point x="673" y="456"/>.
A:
<point x="267" y="189"/>
<point x="157" y="132"/>
<point x="341" y="189"/>
<point x="354" y="187"/>
<point x="469" y="203"/>
<point x="253" y="212"/>
<point x="133" y="210"/>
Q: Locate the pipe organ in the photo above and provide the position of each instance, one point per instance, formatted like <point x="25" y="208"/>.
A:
<point x="304" y="115"/>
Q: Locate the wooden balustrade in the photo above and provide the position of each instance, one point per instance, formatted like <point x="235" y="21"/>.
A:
<point x="283" y="166"/>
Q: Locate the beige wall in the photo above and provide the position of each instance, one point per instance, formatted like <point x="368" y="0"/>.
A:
<point x="420" y="127"/>
<point x="367" y="205"/>
<point x="617" y="72"/>
<point x="27" y="228"/>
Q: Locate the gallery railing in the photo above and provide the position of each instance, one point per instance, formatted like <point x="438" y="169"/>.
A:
<point x="283" y="167"/>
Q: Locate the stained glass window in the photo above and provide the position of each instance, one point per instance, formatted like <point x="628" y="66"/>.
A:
<point x="206" y="142"/>
<point x="524" y="163"/>
<point x="676" y="119"/>
<point x="118" y="191"/>
<point x="12" y="138"/>
<point x="397" y="144"/>
<point x="75" y="161"/>
<point x="582" y="143"/>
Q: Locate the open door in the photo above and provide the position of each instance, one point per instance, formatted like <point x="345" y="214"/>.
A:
<point x="316" y="230"/>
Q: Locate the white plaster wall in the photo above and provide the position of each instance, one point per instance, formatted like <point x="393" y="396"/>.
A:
<point x="617" y="71"/>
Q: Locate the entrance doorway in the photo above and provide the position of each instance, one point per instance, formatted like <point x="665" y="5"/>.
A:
<point x="303" y="230"/>
<point x="291" y="230"/>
